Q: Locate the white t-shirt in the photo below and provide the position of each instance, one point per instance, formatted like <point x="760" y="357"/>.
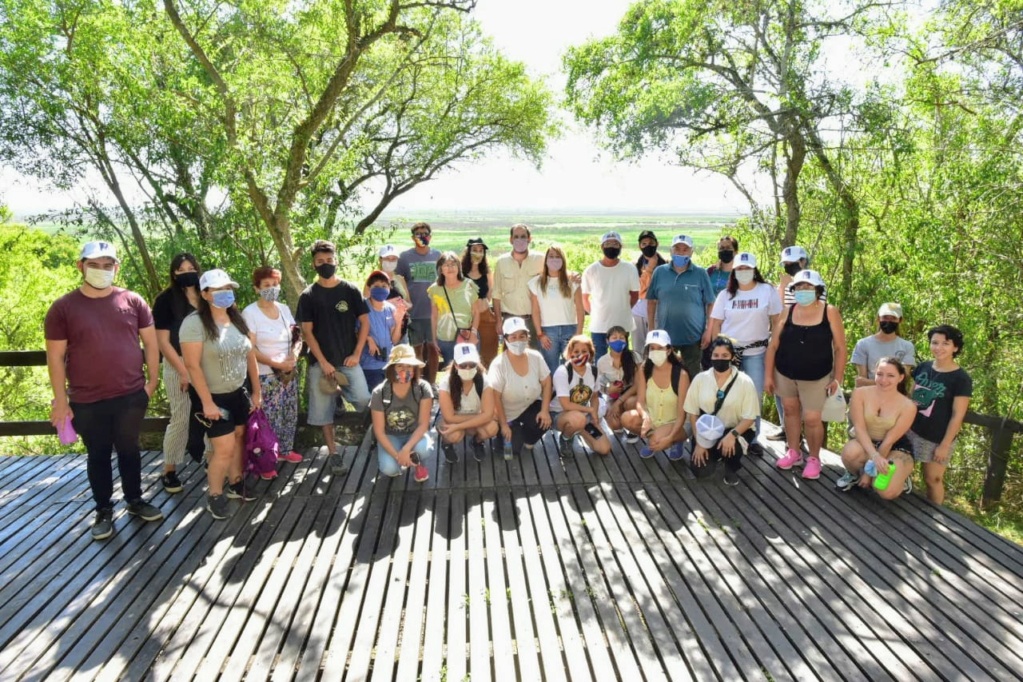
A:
<point x="555" y="309"/>
<point x="578" y="388"/>
<point x="746" y="318"/>
<point x="471" y="401"/>
<point x="609" y="289"/>
<point x="273" y="337"/>
<point x="608" y="374"/>
<point x="518" y="392"/>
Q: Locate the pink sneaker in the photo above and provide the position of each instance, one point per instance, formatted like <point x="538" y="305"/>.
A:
<point x="422" y="473"/>
<point x="268" y="476"/>
<point x="812" y="470"/>
<point x="792" y="458"/>
<point x="293" y="457"/>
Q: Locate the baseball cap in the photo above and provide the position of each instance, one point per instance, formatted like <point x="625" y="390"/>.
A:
<point x="377" y="274"/>
<point x="893" y="309"/>
<point x="98" y="250"/>
<point x="477" y="241"/>
<point x="682" y="239"/>
<point x="745" y="259"/>
<point x="811" y="276"/>
<point x="793" y="254"/>
<point x="214" y="279"/>
<point x="646" y="234"/>
<point x="658" y="336"/>
<point x="709" y="430"/>
<point x="466" y="352"/>
<point x="387" y="251"/>
<point x="610" y="236"/>
<point x="514" y="324"/>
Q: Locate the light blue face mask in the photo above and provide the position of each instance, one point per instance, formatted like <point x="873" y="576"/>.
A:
<point x="805" y="296"/>
<point x="223" y="299"/>
<point x="680" y="261"/>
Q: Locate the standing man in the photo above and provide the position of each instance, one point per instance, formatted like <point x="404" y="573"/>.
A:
<point x="610" y="289"/>
<point x="679" y="301"/>
<point x="885" y="343"/>
<point x="335" y="324"/>
<point x="512" y="273"/>
<point x="95" y="366"/>
<point x="418" y="267"/>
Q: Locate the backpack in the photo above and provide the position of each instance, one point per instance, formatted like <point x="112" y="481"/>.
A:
<point x="387" y="395"/>
<point x="261" y="445"/>
<point x="593" y="368"/>
<point x="676" y="375"/>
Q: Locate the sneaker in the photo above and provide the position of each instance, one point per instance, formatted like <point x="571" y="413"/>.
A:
<point x="677" y="452"/>
<point x="293" y="457"/>
<point x="144" y="510"/>
<point x="507" y="449"/>
<point x="907" y="487"/>
<point x="529" y="446"/>
<point x="237" y="491"/>
<point x="731" y="477"/>
<point x="337" y="464"/>
<point x="478" y="450"/>
<point x="450" y="456"/>
<point x="812" y="470"/>
<point x="645" y="452"/>
<point x="792" y="458"/>
<point x="565" y="446"/>
<point x="846" y="482"/>
<point x="103" y="526"/>
<point x="631" y="437"/>
<point x="421" y="474"/>
<point x="171" y="482"/>
<point x="780" y="435"/>
<point x="755" y="449"/>
<point x="218" y="507"/>
<point x="268" y="475"/>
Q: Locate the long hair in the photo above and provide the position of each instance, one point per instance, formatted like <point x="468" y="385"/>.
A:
<point x="179" y="299"/>
<point x="900" y="368"/>
<point x="455" y="384"/>
<point x="444" y="258"/>
<point x="673" y="359"/>
<point x="628" y="359"/>
<point x="205" y="312"/>
<point x="733" y="284"/>
<point x="467" y="262"/>
<point x="545" y="276"/>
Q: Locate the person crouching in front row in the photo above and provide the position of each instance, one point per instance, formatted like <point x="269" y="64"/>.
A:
<point x="401" y="407"/>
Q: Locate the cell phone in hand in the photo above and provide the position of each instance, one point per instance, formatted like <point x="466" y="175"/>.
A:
<point x="594" y="431"/>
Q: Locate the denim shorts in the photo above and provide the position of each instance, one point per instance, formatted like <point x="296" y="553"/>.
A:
<point x="323" y="405"/>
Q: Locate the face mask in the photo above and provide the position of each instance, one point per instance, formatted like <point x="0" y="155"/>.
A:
<point x="579" y="360"/>
<point x="743" y="276"/>
<point x="793" y="268"/>
<point x="612" y="252"/>
<point x="389" y="265"/>
<point x="889" y="327"/>
<point x="326" y="270"/>
<point x="517" y="347"/>
<point x="554" y="264"/>
<point x="658" y="357"/>
<point x="477" y="257"/>
<point x="403" y="376"/>
<point x="223" y="299"/>
<point x="467" y="374"/>
<point x="187" y="279"/>
<point x="804" y="296"/>
<point x="680" y="261"/>
<point x="379" y="293"/>
<point x="720" y="366"/>
<point x="423" y="240"/>
<point x="520" y="245"/>
<point x="270" y="294"/>
<point x="726" y="256"/>
<point x="618" y="345"/>
<point x="99" y="279"/>
<point x="650" y="250"/>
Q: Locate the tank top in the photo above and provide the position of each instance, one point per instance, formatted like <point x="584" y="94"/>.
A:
<point x="878" y="427"/>
<point x="805" y="353"/>
<point x="482" y="284"/>
<point x="662" y="404"/>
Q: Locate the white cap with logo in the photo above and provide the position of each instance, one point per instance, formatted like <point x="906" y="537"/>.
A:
<point x="611" y="236"/>
<point x="514" y="324"/>
<point x="387" y="251"/>
<point x="811" y="276"/>
<point x="94" y="250"/>
<point x="745" y="259"/>
<point x="793" y="254"/>
<point x="466" y="352"/>
<point x="659" y="337"/>
<point x="214" y="279"/>
<point x="682" y="239"/>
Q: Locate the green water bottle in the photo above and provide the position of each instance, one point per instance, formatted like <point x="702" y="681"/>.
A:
<point x="881" y="481"/>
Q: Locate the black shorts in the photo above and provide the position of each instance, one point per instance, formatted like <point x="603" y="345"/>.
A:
<point x="901" y="445"/>
<point x="235" y="406"/>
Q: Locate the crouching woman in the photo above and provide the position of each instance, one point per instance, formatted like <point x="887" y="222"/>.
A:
<point x="401" y="408"/>
<point x="466" y="404"/>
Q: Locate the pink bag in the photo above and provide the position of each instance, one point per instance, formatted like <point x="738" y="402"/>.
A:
<point x="261" y="445"/>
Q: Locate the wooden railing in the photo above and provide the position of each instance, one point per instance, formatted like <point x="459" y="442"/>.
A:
<point x="1001" y="429"/>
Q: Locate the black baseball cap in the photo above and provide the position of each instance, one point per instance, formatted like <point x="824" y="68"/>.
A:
<point x="647" y="234"/>
<point x="476" y="241"/>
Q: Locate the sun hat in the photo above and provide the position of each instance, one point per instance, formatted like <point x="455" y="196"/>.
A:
<point x="404" y="354"/>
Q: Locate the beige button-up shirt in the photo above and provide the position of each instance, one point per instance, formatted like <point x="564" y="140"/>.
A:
<point x="511" y="280"/>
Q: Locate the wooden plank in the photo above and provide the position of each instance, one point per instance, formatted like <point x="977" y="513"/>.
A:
<point x="476" y="590"/>
<point x="496" y="596"/>
<point x="434" y="633"/>
<point x="456" y="656"/>
<point x="410" y="646"/>
<point x="517" y="595"/>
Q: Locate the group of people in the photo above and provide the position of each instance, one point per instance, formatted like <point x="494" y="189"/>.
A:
<point x="706" y="344"/>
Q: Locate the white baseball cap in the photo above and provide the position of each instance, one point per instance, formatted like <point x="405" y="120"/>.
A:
<point x="98" y="250"/>
<point x="658" y="336"/>
<point x="682" y="239"/>
<point x="745" y="259"/>
<point x="387" y="251"/>
<point x="214" y="279"/>
<point x="892" y="309"/>
<point x="811" y="276"/>
<point x="466" y="352"/>
<point x="514" y="324"/>
<point x="611" y="236"/>
<point x="793" y="254"/>
<point x="709" y="430"/>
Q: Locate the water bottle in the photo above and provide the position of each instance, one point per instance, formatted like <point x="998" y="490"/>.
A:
<point x="881" y="481"/>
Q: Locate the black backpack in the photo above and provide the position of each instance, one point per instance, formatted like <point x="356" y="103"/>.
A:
<point x="676" y="375"/>
<point x="387" y="395"/>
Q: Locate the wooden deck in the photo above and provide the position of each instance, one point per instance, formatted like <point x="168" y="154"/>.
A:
<point x="540" y="569"/>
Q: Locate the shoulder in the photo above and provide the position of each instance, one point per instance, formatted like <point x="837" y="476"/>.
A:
<point x="425" y="390"/>
<point x="250" y="309"/>
<point x="191" y="324"/>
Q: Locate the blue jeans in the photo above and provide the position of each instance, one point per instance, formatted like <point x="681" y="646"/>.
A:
<point x="559" y="335"/>
<point x="374" y="377"/>
<point x="389" y="466"/>
<point x="753" y="366"/>
<point x="599" y="345"/>
<point x="322" y="406"/>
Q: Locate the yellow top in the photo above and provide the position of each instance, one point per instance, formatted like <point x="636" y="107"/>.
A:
<point x="662" y="403"/>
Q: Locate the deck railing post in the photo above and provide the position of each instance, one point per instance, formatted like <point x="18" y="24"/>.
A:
<point x="997" y="464"/>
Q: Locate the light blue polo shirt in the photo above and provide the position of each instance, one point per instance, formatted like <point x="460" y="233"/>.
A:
<point x="682" y="300"/>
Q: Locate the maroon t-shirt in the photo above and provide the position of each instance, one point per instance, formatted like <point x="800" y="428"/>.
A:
<point x="104" y="359"/>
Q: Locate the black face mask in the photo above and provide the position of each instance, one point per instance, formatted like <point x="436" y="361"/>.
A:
<point x="612" y="252"/>
<point x="889" y="327"/>
<point x="326" y="270"/>
<point x="721" y="366"/>
<point x="650" y="250"/>
<point x="793" y="268"/>
<point x="187" y="279"/>
<point x="726" y="256"/>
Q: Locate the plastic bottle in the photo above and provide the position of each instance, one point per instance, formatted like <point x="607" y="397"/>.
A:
<point x="881" y="481"/>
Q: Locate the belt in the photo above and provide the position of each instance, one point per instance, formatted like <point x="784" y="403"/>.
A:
<point x="503" y="314"/>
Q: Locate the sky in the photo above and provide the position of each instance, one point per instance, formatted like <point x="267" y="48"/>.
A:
<point x="576" y="176"/>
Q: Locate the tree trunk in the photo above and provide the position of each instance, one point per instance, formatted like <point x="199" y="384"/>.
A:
<point x="795" y="157"/>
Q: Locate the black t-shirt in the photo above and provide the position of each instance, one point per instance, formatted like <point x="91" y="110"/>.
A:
<point x="168" y="316"/>
<point x="334" y="313"/>
<point x="934" y="392"/>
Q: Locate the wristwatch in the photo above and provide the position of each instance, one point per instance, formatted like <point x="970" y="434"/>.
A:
<point x="735" y="433"/>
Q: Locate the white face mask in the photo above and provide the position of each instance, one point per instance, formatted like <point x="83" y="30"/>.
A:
<point x="467" y="374"/>
<point x="658" y="357"/>
<point x="99" y="278"/>
<point x="743" y="276"/>
<point x="517" y="347"/>
<point x="388" y="265"/>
